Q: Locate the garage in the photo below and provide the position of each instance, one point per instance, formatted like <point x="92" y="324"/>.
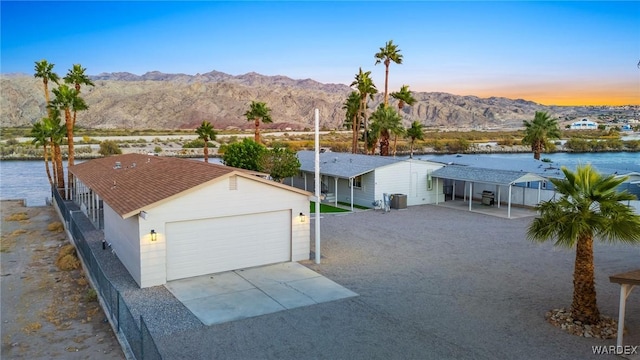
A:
<point x="214" y="245"/>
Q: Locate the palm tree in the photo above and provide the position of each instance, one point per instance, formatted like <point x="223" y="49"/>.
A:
<point x="41" y="138"/>
<point x="589" y="207"/>
<point x="403" y="96"/>
<point x="67" y="100"/>
<point x="53" y="128"/>
<point x="77" y="77"/>
<point x="352" y="118"/>
<point x="366" y="88"/>
<point x="414" y="133"/>
<point x="387" y="54"/>
<point x="206" y="133"/>
<point x="258" y="111"/>
<point x="44" y="70"/>
<point x="538" y="132"/>
<point x="385" y="121"/>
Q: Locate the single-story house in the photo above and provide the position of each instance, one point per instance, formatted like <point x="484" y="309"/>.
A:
<point x="358" y="179"/>
<point x="168" y="218"/>
<point x="584" y="124"/>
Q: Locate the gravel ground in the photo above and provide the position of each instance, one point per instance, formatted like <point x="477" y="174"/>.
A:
<point x="434" y="283"/>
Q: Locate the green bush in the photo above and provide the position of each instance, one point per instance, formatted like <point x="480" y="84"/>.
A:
<point x="197" y="144"/>
<point x="109" y="147"/>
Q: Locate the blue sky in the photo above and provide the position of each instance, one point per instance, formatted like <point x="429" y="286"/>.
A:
<point x="550" y="52"/>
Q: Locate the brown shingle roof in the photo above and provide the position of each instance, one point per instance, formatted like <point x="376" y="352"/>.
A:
<point x="143" y="180"/>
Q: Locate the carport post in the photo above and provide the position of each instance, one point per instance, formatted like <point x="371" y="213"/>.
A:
<point x="317" y="184"/>
<point x="509" y="203"/>
<point x="470" y="194"/>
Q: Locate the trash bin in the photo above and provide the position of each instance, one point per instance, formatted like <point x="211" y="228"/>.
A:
<point x="399" y="201"/>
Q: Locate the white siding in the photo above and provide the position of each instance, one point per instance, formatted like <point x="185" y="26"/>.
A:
<point x="216" y="200"/>
<point x="409" y="178"/>
<point x="123" y="235"/>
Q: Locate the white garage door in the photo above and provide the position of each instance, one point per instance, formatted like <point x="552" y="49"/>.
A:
<point x="221" y="244"/>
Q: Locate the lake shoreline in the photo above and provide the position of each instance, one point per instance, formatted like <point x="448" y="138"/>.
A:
<point x="403" y="153"/>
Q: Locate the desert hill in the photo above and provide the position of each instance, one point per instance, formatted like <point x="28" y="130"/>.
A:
<point x="179" y="101"/>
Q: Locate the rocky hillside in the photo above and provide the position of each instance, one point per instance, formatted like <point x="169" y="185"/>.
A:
<point x="170" y="101"/>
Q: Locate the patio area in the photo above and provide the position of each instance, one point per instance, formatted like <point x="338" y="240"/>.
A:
<point x="493" y="210"/>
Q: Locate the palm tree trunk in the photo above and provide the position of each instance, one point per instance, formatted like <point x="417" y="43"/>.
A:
<point x="584" y="307"/>
<point x="46" y="164"/>
<point x="411" y="150"/>
<point x="395" y="137"/>
<point x="386" y="83"/>
<point x="395" y="141"/>
<point x="364" y="115"/>
<point x="256" y="135"/>
<point x="71" y="159"/>
<point x="384" y="144"/>
<point x="59" y="169"/>
<point x="354" y="137"/>
<point x="537" y="149"/>
<point x="46" y="95"/>
<point x="206" y="151"/>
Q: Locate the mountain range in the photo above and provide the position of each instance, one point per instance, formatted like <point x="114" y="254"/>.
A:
<point x="157" y="100"/>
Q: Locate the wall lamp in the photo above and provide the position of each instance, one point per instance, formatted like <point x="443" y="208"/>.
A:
<point x="154" y="235"/>
<point x="303" y="218"/>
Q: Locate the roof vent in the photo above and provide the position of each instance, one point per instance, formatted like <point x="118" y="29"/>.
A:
<point x="133" y="165"/>
<point x="118" y="165"/>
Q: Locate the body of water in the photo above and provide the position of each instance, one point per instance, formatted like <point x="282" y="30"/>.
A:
<point x="28" y="180"/>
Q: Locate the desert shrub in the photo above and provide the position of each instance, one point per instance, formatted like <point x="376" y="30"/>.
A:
<point x="83" y="150"/>
<point x="92" y="295"/>
<point x="632" y="144"/>
<point x="197" y="144"/>
<point x="615" y="144"/>
<point x="157" y="149"/>
<point x="55" y="227"/>
<point x="460" y="145"/>
<point x="18" y="217"/>
<point x="341" y="147"/>
<point x="67" y="258"/>
<point x="576" y="144"/>
<point x="403" y="147"/>
<point x="109" y="147"/>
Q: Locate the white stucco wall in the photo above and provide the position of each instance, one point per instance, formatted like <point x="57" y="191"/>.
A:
<point x="217" y="200"/>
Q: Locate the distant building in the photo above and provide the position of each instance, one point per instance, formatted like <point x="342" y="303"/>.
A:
<point x="584" y="124"/>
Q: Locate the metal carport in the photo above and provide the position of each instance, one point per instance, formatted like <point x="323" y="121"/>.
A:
<point x="487" y="176"/>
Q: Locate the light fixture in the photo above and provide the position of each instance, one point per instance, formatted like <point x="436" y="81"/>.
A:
<point x="303" y="218"/>
<point x="154" y="235"/>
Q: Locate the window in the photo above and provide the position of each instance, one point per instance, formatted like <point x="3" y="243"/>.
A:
<point x="429" y="181"/>
<point x="357" y="182"/>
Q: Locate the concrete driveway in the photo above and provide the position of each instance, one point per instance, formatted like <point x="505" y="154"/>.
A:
<point x="241" y="294"/>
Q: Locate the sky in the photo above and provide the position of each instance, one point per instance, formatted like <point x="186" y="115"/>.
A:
<point x="553" y="53"/>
